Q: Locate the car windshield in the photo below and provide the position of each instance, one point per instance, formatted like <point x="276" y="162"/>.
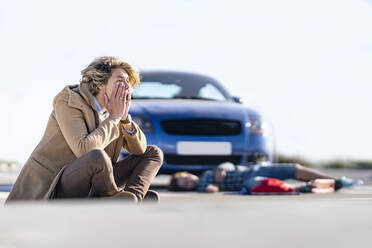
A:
<point x="177" y="90"/>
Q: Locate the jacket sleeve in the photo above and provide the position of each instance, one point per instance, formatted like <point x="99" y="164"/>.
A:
<point x="134" y="143"/>
<point x="73" y="126"/>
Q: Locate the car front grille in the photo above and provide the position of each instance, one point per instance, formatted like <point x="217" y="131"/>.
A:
<point x="201" y="127"/>
<point x="201" y="160"/>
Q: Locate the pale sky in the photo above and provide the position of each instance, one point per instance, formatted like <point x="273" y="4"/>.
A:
<point x="306" y="65"/>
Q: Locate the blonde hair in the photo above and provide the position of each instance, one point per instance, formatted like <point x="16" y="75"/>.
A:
<point x="98" y="72"/>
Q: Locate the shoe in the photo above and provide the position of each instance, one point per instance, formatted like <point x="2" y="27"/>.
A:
<point x="345" y="182"/>
<point x="125" y="196"/>
<point x="152" y="196"/>
<point x="305" y="188"/>
<point x="320" y="185"/>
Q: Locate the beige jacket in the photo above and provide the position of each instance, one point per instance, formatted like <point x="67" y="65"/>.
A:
<point x="73" y="129"/>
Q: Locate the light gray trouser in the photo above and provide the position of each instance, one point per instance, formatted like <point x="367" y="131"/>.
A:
<point x="93" y="174"/>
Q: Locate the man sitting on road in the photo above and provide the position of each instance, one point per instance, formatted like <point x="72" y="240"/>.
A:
<point x="87" y="128"/>
<point x="228" y="177"/>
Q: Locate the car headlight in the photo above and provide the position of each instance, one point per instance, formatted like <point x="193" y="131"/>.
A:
<point x="144" y="123"/>
<point x="256" y="125"/>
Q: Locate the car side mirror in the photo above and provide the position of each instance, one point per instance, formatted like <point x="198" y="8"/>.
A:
<point x="237" y="99"/>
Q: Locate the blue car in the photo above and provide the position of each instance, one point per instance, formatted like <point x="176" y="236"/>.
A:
<point x="197" y="123"/>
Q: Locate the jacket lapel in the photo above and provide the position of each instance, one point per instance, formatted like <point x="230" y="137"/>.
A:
<point x="113" y="147"/>
<point x="88" y="97"/>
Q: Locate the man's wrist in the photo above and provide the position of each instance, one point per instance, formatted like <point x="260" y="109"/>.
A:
<point x="128" y="120"/>
<point x="127" y="124"/>
<point x="129" y="128"/>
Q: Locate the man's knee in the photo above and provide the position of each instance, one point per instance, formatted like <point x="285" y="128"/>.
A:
<point x="97" y="154"/>
<point x="155" y="152"/>
<point x="100" y="159"/>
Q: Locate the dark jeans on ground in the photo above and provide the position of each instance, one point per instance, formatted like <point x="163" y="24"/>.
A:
<point x="93" y="174"/>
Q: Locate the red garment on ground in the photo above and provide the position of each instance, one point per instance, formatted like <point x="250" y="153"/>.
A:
<point x="272" y="185"/>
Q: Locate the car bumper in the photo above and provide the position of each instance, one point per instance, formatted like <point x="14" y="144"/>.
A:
<point x="198" y="164"/>
<point x="258" y="148"/>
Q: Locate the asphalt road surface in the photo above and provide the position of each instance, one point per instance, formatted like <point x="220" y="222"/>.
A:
<point x="342" y="219"/>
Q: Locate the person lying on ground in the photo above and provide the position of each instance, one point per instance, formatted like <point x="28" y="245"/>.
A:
<point x="88" y="127"/>
<point x="228" y="177"/>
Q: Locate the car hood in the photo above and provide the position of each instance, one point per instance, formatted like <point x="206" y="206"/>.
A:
<point x="180" y="108"/>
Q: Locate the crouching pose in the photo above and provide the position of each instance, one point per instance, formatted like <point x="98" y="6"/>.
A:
<point x="228" y="177"/>
<point x="88" y="127"/>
